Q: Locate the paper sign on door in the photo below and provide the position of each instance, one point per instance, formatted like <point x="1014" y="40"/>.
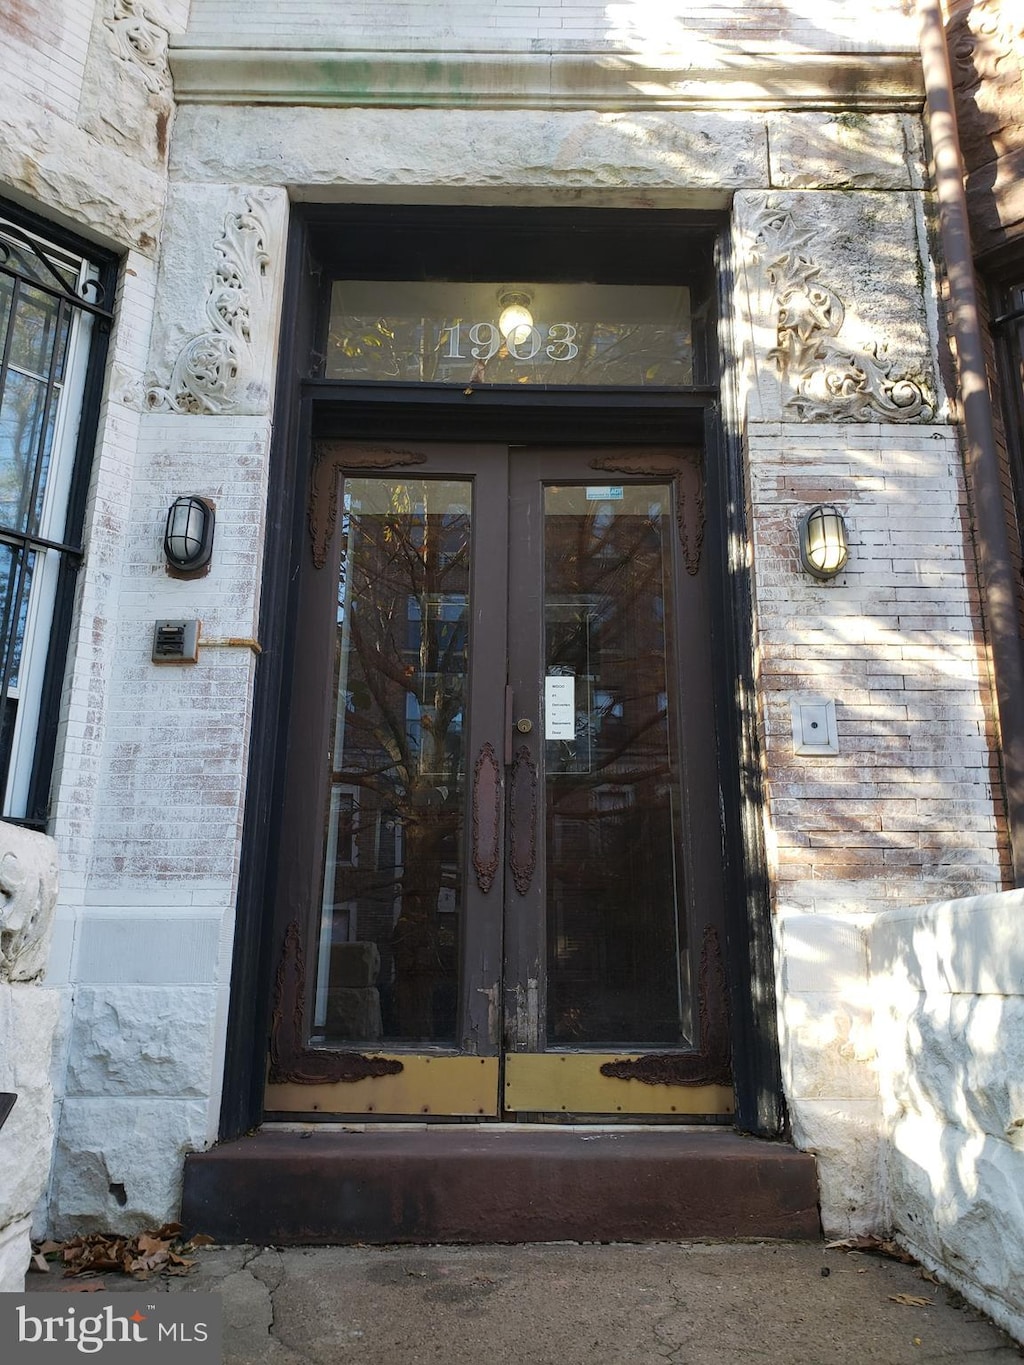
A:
<point x="560" y="708"/>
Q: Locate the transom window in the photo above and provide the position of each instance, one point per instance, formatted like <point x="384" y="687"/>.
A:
<point x="476" y="332"/>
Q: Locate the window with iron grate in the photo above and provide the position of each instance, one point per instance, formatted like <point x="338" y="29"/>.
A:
<point x="53" y="323"/>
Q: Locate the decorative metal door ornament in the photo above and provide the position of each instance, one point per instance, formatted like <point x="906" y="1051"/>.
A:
<point x="486" y="818"/>
<point x="711" y="1063"/>
<point x="290" y="1059"/>
<point x="522" y="819"/>
<point x="687" y="472"/>
<point x="329" y="459"/>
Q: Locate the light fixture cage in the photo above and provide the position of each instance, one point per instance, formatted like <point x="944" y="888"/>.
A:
<point x="188" y="536"/>
<point x="515" y="319"/>
<point x="824" y="549"/>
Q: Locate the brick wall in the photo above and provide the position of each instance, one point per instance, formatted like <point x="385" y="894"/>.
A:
<point x="907" y="802"/>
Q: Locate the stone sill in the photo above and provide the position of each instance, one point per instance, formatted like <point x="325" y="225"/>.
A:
<point x="598" y="79"/>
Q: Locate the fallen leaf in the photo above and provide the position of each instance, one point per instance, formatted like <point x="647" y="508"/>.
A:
<point x="873" y="1246"/>
<point x="927" y="1275"/>
<point x="912" y="1300"/>
<point x="202" y="1239"/>
<point x="39" y="1263"/>
<point x="137" y="1256"/>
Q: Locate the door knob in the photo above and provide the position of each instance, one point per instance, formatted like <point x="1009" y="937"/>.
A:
<point x="524" y="726"/>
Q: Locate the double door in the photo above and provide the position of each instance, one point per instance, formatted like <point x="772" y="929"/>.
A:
<point x="499" y="888"/>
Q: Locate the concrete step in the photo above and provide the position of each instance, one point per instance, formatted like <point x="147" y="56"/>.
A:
<point x="323" y="1186"/>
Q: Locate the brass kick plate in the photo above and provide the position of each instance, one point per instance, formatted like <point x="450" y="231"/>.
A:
<point x="443" y="1086"/>
<point x="553" y="1082"/>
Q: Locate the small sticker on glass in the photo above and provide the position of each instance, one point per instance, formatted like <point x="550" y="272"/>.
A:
<point x="560" y="708"/>
<point x="605" y="493"/>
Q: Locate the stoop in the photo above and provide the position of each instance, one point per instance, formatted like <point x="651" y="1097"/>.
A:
<point x="320" y="1186"/>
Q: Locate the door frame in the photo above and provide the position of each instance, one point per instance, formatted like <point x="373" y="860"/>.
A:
<point x="307" y="408"/>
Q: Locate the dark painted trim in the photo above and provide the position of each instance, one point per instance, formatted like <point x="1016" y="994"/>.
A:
<point x="750" y="952"/>
<point x="253" y="957"/>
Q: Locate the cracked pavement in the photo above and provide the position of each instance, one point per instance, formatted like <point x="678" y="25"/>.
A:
<point x="565" y="1304"/>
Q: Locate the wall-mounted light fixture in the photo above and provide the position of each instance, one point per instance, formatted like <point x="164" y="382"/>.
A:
<point x="188" y="538"/>
<point x="515" y="319"/>
<point x="823" y="545"/>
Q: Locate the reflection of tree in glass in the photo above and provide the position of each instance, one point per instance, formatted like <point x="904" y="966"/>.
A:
<point x="613" y="929"/>
<point x="34" y="331"/>
<point x="404" y="586"/>
<point x="613" y="565"/>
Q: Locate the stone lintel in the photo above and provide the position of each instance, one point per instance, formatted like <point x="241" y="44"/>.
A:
<point x="549" y="80"/>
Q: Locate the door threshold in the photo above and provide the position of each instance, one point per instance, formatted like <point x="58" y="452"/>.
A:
<point x="322" y="1185"/>
<point x="492" y="1126"/>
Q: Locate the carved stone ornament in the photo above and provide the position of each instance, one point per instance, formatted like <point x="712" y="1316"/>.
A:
<point x="711" y="1063"/>
<point x="829" y="380"/>
<point x="329" y="459"/>
<point x="140" y="42"/>
<point x="28" y="897"/>
<point x="686" y="469"/>
<point x="212" y="369"/>
<point x="986" y="40"/>
<point x="290" y="1059"/>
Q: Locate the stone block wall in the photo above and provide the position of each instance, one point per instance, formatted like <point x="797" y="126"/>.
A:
<point x="947" y="982"/>
<point x="28" y="1021"/>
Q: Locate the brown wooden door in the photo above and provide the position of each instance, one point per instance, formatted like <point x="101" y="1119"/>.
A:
<point x="500" y="849"/>
<point x="614" y="984"/>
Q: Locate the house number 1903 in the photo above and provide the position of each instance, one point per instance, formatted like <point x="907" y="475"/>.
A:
<point x="523" y="343"/>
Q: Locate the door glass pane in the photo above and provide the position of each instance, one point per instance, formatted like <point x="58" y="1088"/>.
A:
<point x="616" y="929"/>
<point x="388" y="959"/>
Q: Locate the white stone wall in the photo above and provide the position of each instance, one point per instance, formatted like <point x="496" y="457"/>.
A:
<point x="28" y="1020"/>
<point x="948" y="992"/>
